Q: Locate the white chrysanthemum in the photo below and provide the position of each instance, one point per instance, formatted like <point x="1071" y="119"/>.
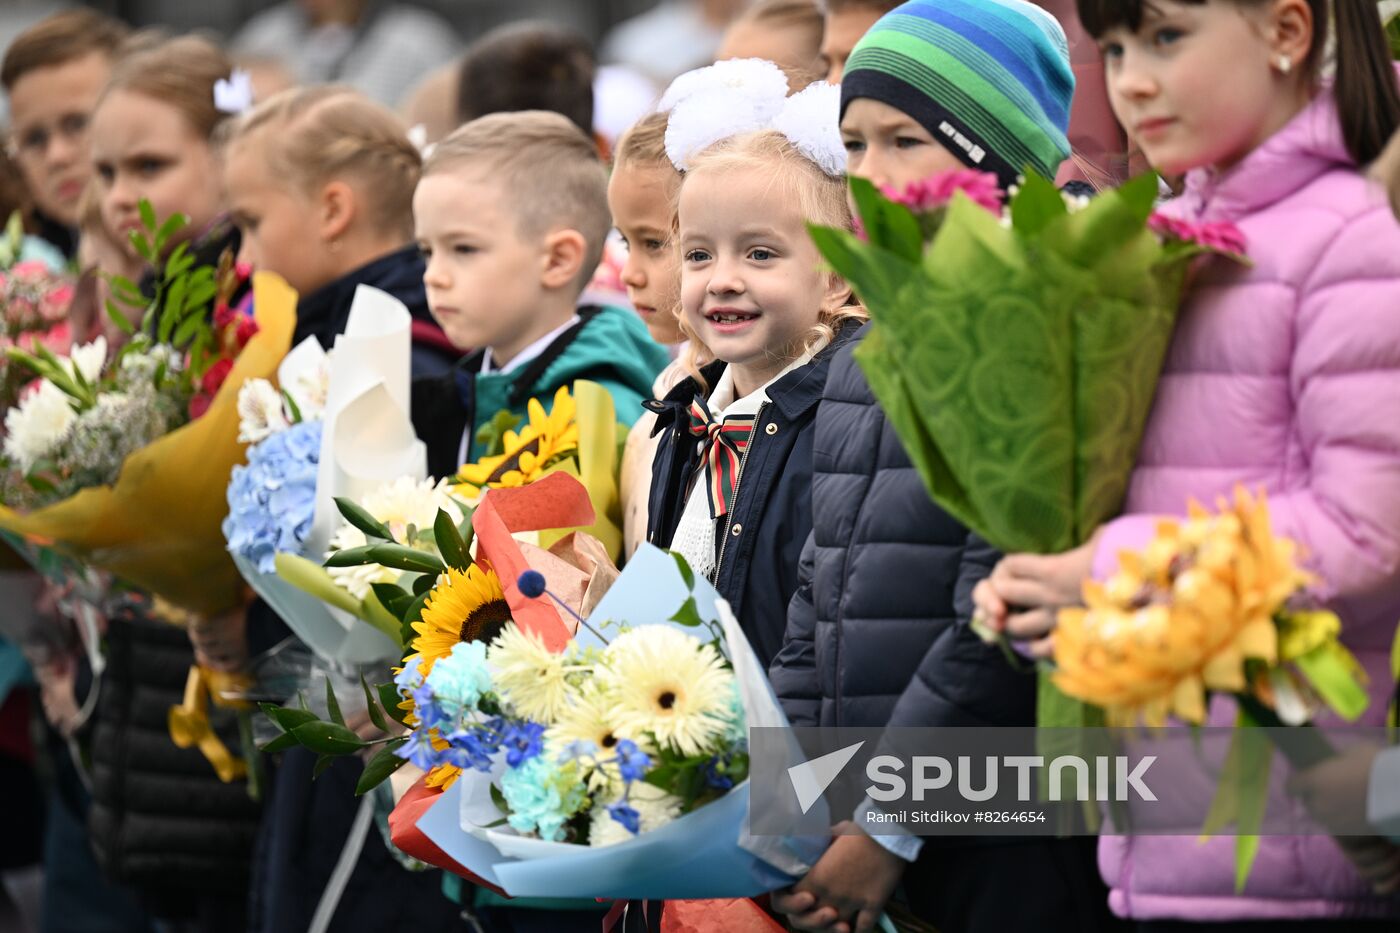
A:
<point x="701" y="121"/>
<point x="654" y="806"/>
<point x="754" y="78"/>
<point x="529" y="678"/>
<point x="667" y="683"/>
<point x="809" y="120"/>
<point x="88" y="360"/>
<point x="310" y="389"/>
<point x="259" y="411"/>
<point x="35" y="427"/>
<point x="398" y="504"/>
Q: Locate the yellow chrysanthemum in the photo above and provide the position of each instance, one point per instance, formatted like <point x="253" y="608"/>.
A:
<point x="1180" y="617"/>
<point x="466" y="607"/>
<point x="543" y="441"/>
<point x="529" y="677"/>
<point x="669" y="684"/>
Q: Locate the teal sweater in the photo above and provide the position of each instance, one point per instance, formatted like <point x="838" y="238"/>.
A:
<point x="609" y="346"/>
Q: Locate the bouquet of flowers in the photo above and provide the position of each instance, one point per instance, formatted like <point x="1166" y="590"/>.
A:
<point x="1214" y="603"/>
<point x="119" y="462"/>
<point x="34" y="300"/>
<point x="627" y="743"/>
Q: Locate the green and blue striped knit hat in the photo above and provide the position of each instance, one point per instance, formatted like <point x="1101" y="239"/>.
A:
<point x="989" y="79"/>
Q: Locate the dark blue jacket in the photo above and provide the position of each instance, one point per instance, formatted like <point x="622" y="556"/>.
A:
<point x="877" y="629"/>
<point x="759" y="543"/>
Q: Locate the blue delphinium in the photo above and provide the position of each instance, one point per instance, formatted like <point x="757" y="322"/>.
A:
<point x="273" y="499"/>
<point x="632" y="762"/>
<point x="630" y="819"/>
<point x="523" y="741"/>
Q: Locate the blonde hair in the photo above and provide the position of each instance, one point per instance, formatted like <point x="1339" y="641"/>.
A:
<point x="180" y="73"/>
<point x="550" y="167"/>
<point x="644" y="142"/>
<point x="820" y="198"/>
<point x="312" y="136"/>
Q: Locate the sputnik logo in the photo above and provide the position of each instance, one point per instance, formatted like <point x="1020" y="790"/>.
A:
<point x="811" y="778"/>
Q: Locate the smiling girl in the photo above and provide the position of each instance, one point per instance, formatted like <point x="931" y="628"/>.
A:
<point x="1282" y="376"/>
<point x="731" y="489"/>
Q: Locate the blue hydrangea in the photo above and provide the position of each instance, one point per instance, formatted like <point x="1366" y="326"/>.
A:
<point x="273" y="499"/>
<point x="459" y="680"/>
<point x="542" y="796"/>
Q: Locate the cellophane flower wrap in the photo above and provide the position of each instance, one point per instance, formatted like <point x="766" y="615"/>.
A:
<point x="1016" y="351"/>
<point x="151" y="516"/>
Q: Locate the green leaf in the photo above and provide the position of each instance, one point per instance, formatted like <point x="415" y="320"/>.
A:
<point x="328" y="738"/>
<point x="184" y="334"/>
<point x="490" y="437"/>
<point x="687" y="574"/>
<point x="1331" y="672"/>
<point x="414" y="614"/>
<point x="389" y="700"/>
<point x="286" y="717"/>
<point x="392" y="597"/>
<point x="376" y="715"/>
<point x="172" y="225"/>
<point x="400" y="557"/>
<point x="322" y="763"/>
<point x="148" y="214"/>
<point x="888" y="226"/>
<point x="280" y="744"/>
<point x="423" y="584"/>
<point x="1036" y="205"/>
<point x="333" y="705"/>
<point x="351" y="557"/>
<point x="380" y="767"/>
<point x="292" y="406"/>
<point x="361" y="519"/>
<point x="373" y="612"/>
<point x="119" y="318"/>
<point x="499" y="799"/>
<point x="450" y="543"/>
<point x="688" y="614"/>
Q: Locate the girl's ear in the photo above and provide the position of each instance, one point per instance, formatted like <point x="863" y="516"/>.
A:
<point x="837" y="294"/>
<point x="562" y="261"/>
<point x="1291" y="34"/>
<point x="337" y="206"/>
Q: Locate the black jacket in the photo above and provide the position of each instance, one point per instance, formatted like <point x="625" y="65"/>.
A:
<point x="324" y="313"/>
<point x="760" y="541"/>
<point x="877" y="629"/>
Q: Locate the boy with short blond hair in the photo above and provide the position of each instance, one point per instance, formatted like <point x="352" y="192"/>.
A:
<point x="511" y="215"/>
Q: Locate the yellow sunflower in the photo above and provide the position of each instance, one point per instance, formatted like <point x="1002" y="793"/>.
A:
<point x="466" y="607"/>
<point x="540" y="444"/>
<point x="1181" y="617"/>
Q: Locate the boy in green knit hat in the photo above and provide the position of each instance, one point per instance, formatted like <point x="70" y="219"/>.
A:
<point x="511" y="215"/>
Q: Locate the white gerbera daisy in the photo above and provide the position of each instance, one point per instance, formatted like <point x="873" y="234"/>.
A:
<point x="259" y="411"/>
<point x="654" y="806"/>
<point x="35" y="427"/>
<point x="590" y="722"/>
<point x="398" y="504"/>
<point x="667" y="683"/>
<point x="529" y="678"/>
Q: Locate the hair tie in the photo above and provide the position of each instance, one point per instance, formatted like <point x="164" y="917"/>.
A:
<point x="234" y="95"/>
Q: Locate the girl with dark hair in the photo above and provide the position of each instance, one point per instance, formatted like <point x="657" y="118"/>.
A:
<point x="1281" y="376"/>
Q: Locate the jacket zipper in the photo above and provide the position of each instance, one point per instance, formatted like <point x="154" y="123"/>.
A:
<point x="753" y="438"/>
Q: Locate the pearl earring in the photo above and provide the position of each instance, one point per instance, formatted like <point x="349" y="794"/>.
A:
<point x="1284" y="64"/>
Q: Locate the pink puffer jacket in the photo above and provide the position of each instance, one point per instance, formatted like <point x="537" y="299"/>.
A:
<point x="1284" y="376"/>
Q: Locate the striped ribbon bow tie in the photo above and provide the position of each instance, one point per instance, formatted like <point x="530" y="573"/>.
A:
<point x="724" y="444"/>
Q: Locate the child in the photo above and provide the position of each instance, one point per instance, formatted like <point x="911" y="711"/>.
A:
<point x="52" y="74"/>
<point x="511" y="215"/>
<point x="320" y="184"/>
<point x="844" y="22"/>
<point x="642" y="196"/>
<point x="877" y="631"/>
<point x="1280" y="375"/>
<point x="150" y="138"/>
<point x="531" y="65"/>
<point x="764" y="320"/>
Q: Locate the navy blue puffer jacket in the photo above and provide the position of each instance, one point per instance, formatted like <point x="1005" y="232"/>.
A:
<point x="877" y="629"/>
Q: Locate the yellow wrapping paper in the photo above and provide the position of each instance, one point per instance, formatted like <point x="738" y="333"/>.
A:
<point x="600" y="440"/>
<point x="158" y="528"/>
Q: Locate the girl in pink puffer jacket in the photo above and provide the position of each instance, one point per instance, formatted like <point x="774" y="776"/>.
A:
<point x="1284" y="375"/>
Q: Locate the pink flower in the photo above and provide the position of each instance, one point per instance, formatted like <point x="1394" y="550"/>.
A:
<point x="937" y="190"/>
<point x="224" y="316"/>
<point x="1220" y="236"/>
<point x="55" y="303"/>
<point x="31" y="270"/>
<point x="243" y="270"/>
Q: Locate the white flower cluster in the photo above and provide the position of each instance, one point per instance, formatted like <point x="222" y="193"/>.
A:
<point x="746" y="95"/>
<point x="263" y="410"/>
<point x="36" y="427"/>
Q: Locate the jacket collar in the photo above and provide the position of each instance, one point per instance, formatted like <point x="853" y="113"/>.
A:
<point x="1308" y="146"/>
<point x="793" y="395"/>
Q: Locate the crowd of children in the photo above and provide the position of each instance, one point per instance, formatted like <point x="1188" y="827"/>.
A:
<point x="757" y="448"/>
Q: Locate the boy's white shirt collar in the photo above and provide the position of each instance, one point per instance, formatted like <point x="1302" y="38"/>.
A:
<point x="531" y="352"/>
